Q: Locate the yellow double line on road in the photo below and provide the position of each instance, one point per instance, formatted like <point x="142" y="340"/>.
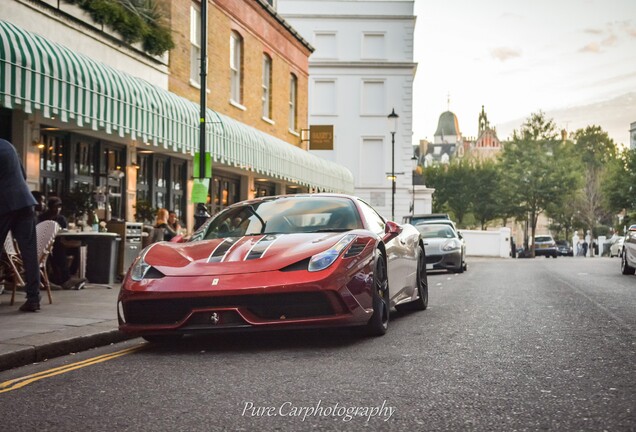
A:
<point x="17" y="383"/>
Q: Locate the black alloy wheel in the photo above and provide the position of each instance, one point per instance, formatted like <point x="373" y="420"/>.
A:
<point x="379" y="322"/>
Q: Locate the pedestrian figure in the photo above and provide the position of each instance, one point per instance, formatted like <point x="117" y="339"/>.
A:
<point x="63" y="272"/>
<point x="162" y="230"/>
<point x="17" y="215"/>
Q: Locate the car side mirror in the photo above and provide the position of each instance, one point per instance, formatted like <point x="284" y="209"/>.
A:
<point x="460" y="235"/>
<point x="391" y="230"/>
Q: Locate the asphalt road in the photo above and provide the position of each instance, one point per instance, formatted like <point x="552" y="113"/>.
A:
<point x="539" y="344"/>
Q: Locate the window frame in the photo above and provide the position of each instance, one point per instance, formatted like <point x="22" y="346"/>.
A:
<point x="293" y="102"/>
<point x="236" y="68"/>
<point x="267" y="81"/>
<point x="195" y="45"/>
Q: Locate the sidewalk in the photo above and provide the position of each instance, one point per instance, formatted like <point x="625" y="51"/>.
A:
<point x="76" y="321"/>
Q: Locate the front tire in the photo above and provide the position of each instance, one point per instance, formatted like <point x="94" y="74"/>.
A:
<point x="379" y="322"/>
<point x="626" y="269"/>
<point x="421" y="303"/>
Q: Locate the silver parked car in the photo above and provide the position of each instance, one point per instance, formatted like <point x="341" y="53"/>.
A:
<point x="616" y="247"/>
<point x="444" y="246"/>
<point x="628" y="256"/>
<point x="545" y="245"/>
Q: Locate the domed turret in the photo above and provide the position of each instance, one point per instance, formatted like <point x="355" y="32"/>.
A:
<point x="447" y="126"/>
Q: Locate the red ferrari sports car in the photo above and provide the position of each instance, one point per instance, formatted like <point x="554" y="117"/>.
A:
<point x="292" y="261"/>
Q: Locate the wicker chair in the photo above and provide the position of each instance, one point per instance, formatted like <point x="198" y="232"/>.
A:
<point x="13" y="263"/>
<point x="45" y="233"/>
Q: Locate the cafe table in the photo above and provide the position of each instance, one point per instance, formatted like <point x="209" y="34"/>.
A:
<point x="100" y="259"/>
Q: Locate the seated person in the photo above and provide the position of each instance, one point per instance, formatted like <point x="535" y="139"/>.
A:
<point x="163" y="230"/>
<point x="173" y="222"/>
<point x="61" y="271"/>
<point x="40" y="207"/>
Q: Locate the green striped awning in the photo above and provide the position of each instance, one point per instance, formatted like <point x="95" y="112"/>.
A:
<point x="39" y="75"/>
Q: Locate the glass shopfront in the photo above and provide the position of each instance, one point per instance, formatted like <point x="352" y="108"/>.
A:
<point x="161" y="182"/>
<point x="85" y="172"/>
<point x="225" y="191"/>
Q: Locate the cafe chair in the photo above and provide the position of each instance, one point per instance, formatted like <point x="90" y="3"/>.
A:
<point x="13" y="263"/>
<point x="45" y="232"/>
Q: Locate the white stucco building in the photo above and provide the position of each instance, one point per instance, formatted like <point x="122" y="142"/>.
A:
<point x="362" y="68"/>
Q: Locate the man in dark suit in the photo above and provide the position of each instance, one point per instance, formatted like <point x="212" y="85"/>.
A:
<point x="17" y="215"/>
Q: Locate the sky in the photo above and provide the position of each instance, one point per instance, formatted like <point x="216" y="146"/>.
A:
<point x="517" y="57"/>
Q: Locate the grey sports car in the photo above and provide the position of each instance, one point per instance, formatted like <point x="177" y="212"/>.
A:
<point x="445" y="248"/>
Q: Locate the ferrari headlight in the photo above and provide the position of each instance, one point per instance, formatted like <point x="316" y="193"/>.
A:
<point x="324" y="259"/>
<point x="140" y="267"/>
<point x="451" y="245"/>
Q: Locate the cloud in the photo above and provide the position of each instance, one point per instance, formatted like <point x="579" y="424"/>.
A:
<point x="593" y="31"/>
<point x="629" y="29"/>
<point x="610" y="40"/>
<point x="504" y="53"/>
<point x="592" y="47"/>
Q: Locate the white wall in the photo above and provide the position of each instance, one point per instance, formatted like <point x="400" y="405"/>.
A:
<point x="487" y="243"/>
<point x="366" y="49"/>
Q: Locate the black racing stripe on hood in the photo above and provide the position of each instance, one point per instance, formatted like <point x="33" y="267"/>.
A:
<point x="261" y="247"/>
<point x="220" y="251"/>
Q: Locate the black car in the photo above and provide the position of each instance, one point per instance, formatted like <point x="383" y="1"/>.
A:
<point x="564" y="248"/>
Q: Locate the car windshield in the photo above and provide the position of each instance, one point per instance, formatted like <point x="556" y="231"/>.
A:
<point x="436" y="231"/>
<point x="282" y="215"/>
<point x="543" y="239"/>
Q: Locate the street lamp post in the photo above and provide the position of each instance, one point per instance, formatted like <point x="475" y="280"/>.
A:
<point x="393" y="123"/>
<point x="414" y="166"/>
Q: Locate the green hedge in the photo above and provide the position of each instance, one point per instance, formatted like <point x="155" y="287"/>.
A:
<point x="134" y="20"/>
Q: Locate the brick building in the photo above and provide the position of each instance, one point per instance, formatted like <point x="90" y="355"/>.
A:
<point x="93" y="114"/>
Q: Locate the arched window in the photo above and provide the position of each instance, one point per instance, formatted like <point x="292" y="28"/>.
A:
<point x="267" y="87"/>
<point x="293" y="103"/>
<point x="236" y="68"/>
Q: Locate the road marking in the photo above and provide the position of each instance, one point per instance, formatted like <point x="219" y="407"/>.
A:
<point x="17" y="383"/>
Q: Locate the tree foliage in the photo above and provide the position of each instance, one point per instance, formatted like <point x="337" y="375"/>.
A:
<point x="540" y="170"/>
<point x="486" y="196"/>
<point x="578" y="183"/>
<point x="135" y="20"/>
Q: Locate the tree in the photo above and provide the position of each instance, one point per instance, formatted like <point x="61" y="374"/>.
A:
<point x="435" y="176"/>
<point x="596" y="151"/>
<point x="619" y="185"/>
<point x="486" y="192"/>
<point x="538" y="169"/>
<point x="459" y="189"/>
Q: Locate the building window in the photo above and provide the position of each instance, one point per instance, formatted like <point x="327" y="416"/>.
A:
<point x="143" y="174"/>
<point x="373" y="169"/>
<point x="236" y="63"/>
<point x="326" y="45"/>
<point x="52" y="167"/>
<point x="293" y="106"/>
<point x="177" y="188"/>
<point x="324" y="97"/>
<point x="373" y="99"/>
<point x="373" y="46"/>
<point x="195" y="44"/>
<point x="267" y="86"/>
<point x="225" y="191"/>
<point x="160" y="182"/>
